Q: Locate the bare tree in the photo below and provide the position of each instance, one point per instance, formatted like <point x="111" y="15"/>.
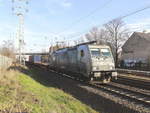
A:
<point x="117" y="34"/>
<point x="7" y="49"/>
<point x="58" y="45"/>
<point x="99" y="35"/>
<point x="113" y="34"/>
<point x="79" y="41"/>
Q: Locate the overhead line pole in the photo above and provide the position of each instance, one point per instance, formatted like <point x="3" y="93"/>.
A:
<point x="19" y="9"/>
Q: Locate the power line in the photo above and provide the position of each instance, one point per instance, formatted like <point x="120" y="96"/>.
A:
<point x="88" y="15"/>
<point x="120" y="17"/>
<point x="135" y="12"/>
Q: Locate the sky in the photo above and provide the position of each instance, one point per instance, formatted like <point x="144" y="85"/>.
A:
<point x="49" y="21"/>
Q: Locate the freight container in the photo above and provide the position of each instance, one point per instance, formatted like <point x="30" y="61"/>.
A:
<point x="30" y="59"/>
<point x="35" y="58"/>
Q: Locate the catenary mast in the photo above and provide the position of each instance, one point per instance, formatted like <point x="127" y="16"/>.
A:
<point x="19" y="8"/>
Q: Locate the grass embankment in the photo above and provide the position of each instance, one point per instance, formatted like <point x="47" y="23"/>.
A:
<point x="20" y="93"/>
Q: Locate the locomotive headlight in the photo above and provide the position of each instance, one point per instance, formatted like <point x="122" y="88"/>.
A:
<point x="112" y="66"/>
<point x="95" y="68"/>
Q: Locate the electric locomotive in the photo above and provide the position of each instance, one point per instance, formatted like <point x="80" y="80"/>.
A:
<point x="91" y="61"/>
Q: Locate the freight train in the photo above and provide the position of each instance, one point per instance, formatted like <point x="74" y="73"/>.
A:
<point x="88" y="61"/>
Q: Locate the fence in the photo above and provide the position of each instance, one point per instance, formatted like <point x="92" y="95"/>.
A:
<point x="136" y="66"/>
<point x="5" y="62"/>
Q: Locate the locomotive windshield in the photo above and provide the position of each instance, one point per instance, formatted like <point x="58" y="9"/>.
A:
<point x="103" y="52"/>
<point x="95" y="52"/>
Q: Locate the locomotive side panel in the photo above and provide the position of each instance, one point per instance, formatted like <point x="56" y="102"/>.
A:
<point x="61" y="59"/>
<point x="84" y="60"/>
<point x="72" y="60"/>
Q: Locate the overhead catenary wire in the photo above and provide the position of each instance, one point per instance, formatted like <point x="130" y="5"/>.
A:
<point x="120" y="17"/>
<point x="86" y="16"/>
<point x="79" y="34"/>
<point x="134" y="12"/>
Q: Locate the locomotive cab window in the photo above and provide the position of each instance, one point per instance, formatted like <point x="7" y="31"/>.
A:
<point x="82" y="53"/>
<point x="95" y="52"/>
<point x="105" y="52"/>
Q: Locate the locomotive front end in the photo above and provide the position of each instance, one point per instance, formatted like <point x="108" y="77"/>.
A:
<point x="102" y="63"/>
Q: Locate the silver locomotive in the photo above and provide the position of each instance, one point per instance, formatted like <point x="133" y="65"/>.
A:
<point x="90" y="61"/>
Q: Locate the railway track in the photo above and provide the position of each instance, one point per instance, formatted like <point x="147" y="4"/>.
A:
<point x="129" y="88"/>
<point x="138" y="83"/>
<point x="117" y="89"/>
<point x="123" y="91"/>
<point x="135" y="72"/>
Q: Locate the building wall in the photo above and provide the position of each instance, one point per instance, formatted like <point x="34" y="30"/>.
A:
<point x="137" y="49"/>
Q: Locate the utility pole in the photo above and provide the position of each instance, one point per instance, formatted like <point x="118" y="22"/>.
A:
<point x="19" y="9"/>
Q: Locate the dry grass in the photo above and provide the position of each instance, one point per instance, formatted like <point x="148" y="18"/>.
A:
<point x="9" y="87"/>
<point x="20" y="93"/>
<point x="8" y="77"/>
<point x="10" y="91"/>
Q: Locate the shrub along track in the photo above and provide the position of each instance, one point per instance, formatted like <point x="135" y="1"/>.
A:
<point x="127" y="94"/>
